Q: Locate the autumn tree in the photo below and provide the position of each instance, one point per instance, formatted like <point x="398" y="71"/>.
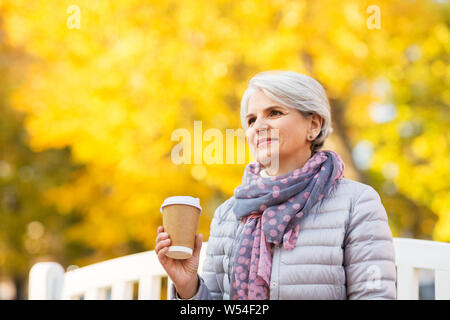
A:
<point x="113" y="80"/>
<point x="31" y="230"/>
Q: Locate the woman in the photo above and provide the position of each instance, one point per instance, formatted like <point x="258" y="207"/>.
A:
<point x="295" y="228"/>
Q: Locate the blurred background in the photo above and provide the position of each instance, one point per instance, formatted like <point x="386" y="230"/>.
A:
<point x="91" y="91"/>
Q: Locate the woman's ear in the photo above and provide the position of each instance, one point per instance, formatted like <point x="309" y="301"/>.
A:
<point x="315" y="125"/>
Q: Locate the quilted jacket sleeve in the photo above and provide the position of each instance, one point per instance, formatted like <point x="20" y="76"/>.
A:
<point x="369" y="257"/>
<point x="203" y="292"/>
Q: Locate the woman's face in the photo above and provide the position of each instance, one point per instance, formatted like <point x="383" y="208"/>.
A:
<point x="277" y="130"/>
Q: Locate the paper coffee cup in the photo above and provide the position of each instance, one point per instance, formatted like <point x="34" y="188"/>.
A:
<point x="180" y="221"/>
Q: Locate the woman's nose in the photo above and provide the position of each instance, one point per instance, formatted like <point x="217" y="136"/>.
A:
<point x="260" y="125"/>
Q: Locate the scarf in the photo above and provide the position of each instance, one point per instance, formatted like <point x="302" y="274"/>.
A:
<point x="270" y="209"/>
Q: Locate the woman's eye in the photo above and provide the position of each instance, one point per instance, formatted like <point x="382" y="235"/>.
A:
<point x="250" y="121"/>
<point x="275" y="112"/>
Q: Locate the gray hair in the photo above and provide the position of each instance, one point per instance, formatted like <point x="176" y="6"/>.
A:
<point x="293" y="90"/>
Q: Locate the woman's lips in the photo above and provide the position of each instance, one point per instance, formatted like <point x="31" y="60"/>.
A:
<point x="263" y="142"/>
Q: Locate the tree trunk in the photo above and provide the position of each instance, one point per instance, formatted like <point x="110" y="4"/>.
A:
<point x="20" y="282"/>
<point x="343" y="140"/>
<point x="339" y="138"/>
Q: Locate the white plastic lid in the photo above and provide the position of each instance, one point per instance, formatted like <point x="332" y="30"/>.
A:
<point x="190" y="201"/>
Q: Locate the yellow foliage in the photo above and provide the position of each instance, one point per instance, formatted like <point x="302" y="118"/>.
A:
<point x="115" y="90"/>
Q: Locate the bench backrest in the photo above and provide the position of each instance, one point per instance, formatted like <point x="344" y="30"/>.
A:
<point x="141" y="276"/>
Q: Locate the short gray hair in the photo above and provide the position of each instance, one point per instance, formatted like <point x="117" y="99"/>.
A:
<point x="294" y="90"/>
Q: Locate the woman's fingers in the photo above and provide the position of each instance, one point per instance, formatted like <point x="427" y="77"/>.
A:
<point x="162" y="236"/>
<point x="162" y="241"/>
<point x="162" y="255"/>
<point x="162" y="244"/>
<point x="160" y="231"/>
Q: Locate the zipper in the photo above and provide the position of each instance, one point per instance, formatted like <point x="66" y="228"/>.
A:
<point x="232" y="252"/>
<point x="275" y="292"/>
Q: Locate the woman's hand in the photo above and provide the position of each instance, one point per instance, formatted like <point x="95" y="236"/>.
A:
<point x="183" y="273"/>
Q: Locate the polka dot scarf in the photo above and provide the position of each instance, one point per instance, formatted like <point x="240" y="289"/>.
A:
<point x="270" y="209"/>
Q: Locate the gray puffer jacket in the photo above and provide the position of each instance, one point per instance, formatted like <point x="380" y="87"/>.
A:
<point x="344" y="251"/>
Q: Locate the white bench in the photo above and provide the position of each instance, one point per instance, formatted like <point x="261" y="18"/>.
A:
<point x="141" y="276"/>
